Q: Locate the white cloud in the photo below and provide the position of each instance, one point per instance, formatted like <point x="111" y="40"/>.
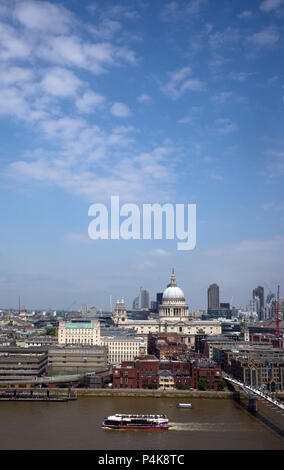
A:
<point x="241" y="76"/>
<point x="144" y="98"/>
<point x="34" y="91"/>
<point x="72" y="51"/>
<point x="226" y="38"/>
<point x="222" y="97"/>
<point x="194" y="6"/>
<point x="120" y="110"/>
<point x="89" y="101"/>
<point x="12" y="44"/>
<point x="275" y="167"/>
<point x="186" y="120"/>
<point x="106" y="30"/>
<point x="63" y="128"/>
<point x="215" y="176"/>
<point x="48" y="31"/>
<point x="245" y="14"/>
<point x="170" y="11"/>
<point x="13" y="103"/>
<point x="74" y="168"/>
<point x="68" y="50"/>
<point x="266" y="37"/>
<point x="43" y="16"/>
<point x="180" y="82"/>
<point x="160" y="253"/>
<point x="60" y="82"/>
<point x="269" y="5"/>
<point x="120" y="11"/>
<point x="174" y="11"/>
<point x="15" y="75"/>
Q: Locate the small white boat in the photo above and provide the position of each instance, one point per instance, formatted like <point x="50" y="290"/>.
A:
<point x="184" y="405"/>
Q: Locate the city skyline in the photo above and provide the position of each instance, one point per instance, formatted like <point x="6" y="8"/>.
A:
<point x="154" y="102"/>
<point x="214" y="299"/>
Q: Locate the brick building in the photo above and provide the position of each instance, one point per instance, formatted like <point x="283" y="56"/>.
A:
<point x="149" y="371"/>
<point x="167" y="345"/>
<point x="259" y="371"/>
<point x="275" y="341"/>
<point x="136" y="374"/>
<point x="208" y="370"/>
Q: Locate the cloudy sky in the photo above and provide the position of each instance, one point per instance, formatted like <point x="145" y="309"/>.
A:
<point x="153" y="101"/>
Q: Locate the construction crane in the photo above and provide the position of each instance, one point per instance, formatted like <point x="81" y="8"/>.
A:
<point x="73" y="303"/>
<point x="277" y="311"/>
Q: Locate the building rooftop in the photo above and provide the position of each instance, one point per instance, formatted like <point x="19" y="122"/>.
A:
<point x="118" y="332"/>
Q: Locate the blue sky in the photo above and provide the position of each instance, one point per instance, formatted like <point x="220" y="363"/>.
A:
<point x="178" y="102"/>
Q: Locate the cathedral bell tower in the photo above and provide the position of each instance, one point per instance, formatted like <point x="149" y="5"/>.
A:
<point x="120" y="314"/>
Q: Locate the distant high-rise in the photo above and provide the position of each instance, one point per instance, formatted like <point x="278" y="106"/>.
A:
<point x="259" y="292"/>
<point x="84" y="309"/>
<point x="144" y="299"/>
<point x="225" y="305"/>
<point x="135" y="304"/>
<point x="213" y="297"/>
<point x="159" y="298"/>
<point x="93" y="311"/>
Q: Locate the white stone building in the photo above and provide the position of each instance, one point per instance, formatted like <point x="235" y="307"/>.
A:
<point x="123" y="348"/>
<point x="88" y="333"/>
<point x="122" y="345"/>
<point x="173" y="317"/>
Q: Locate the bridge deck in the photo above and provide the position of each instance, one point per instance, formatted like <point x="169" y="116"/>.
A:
<point x="254" y="392"/>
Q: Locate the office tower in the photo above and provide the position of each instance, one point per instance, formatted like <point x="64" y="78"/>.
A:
<point x="135" y="304"/>
<point x="144" y="299"/>
<point x="270" y="306"/>
<point x="225" y="305"/>
<point x="93" y="311"/>
<point x="213" y="297"/>
<point x="259" y="292"/>
<point x="84" y="309"/>
<point x="159" y="298"/>
<point x="154" y="306"/>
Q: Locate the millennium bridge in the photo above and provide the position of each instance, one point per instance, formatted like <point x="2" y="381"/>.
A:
<point x="253" y="393"/>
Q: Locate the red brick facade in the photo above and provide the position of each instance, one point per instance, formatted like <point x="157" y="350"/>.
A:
<point x="136" y="374"/>
<point x="266" y="338"/>
<point x="144" y="373"/>
<point x="166" y="346"/>
<point x="207" y="370"/>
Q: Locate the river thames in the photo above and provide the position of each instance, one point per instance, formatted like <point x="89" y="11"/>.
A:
<point x="212" y="424"/>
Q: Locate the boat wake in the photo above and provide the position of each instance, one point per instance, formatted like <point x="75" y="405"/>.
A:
<point x="209" y="427"/>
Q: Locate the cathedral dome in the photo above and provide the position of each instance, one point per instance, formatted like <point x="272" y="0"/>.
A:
<point x="172" y="292"/>
<point x="173" y="306"/>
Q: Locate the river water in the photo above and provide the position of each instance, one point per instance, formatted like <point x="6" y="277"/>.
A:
<point x="210" y="424"/>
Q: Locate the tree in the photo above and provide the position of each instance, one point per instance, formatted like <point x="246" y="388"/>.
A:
<point x="221" y="384"/>
<point x="50" y="331"/>
<point x="202" y="385"/>
<point x="181" y="386"/>
<point x="152" y="386"/>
